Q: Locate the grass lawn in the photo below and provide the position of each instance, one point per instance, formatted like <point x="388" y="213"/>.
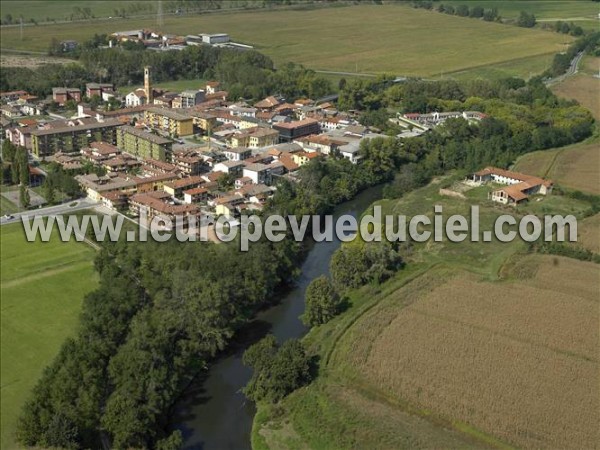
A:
<point x="43" y="285"/>
<point x="395" y="38"/>
<point x="6" y="206"/>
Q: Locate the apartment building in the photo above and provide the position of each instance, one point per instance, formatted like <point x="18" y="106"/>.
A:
<point x="72" y="136"/>
<point x="169" y="121"/>
<point x="143" y="144"/>
<point x="255" y="137"/>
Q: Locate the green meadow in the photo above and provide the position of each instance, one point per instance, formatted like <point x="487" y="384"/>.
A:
<point x="393" y="38"/>
<point x="42" y="288"/>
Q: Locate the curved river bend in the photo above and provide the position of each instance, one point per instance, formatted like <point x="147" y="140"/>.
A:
<point x="214" y="414"/>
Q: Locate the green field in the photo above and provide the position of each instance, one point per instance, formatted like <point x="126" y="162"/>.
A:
<point x="60" y="9"/>
<point x="6" y="206"/>
<point x="43" y="285"/>
<point x="525" y="67"/>
<point x="395" y="38"/>
<point x="543" y="9"/>
<point x="584" y="13"/>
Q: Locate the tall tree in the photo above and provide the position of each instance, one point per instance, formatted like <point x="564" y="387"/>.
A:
<point x="322" y="302"/>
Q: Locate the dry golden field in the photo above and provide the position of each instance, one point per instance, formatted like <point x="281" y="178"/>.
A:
<point x="584" y="86"/>
<point x="589" y="233"/>
<point x="31" y="61"/>
<point x="516" y="360"/>
<point x="575" y="167"/>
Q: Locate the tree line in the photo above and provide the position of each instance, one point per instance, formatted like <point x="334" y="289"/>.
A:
<point x="245" y="74"/>
<point x="562" y="61"/>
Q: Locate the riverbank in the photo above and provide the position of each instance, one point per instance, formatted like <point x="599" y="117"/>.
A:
<point x="213" y="413"/>
<point x="408" y="364"/>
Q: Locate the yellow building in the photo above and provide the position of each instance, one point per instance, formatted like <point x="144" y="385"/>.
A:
<point x="169" y="121"/>
<point x="255" y="137"/>
<point x="205" y="121"/>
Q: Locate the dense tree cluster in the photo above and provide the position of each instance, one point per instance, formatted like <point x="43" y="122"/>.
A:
<point x="15" y="164"/>
<point x="526" y="20"/>
<point x="562" y="61"/>
<point x="355" y="265"/>
<point x="58" y="179"/>
<point x="246" y="74"/>
<point x="278" y="370"/>
<point x="476" y="12"/>
<point x="161" y="312"/>
<point x="322" y="302"/>
<point x="568" y="28"/>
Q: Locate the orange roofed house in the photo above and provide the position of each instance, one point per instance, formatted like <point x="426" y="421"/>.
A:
<point x="519" y="186"/>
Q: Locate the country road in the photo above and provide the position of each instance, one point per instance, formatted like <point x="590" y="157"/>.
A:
<point x="572" y="70"/>
<point x="349" y="74"/>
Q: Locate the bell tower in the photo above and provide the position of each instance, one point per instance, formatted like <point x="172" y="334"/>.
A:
<point x="147" y="85"/>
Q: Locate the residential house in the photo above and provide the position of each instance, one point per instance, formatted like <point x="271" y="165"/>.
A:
<point x="255" y="137"/>
<point x="159" y="204"/>
<point x="92" y="89"/>
<point x="237" y="153"/>
<point x="175" y="188"/>
<point x="190" y="162"/>
<point x="212" y="87"/>
<point x="268" y="103"/>
<point x="258" y="173"/>
<point x="321" y="143"/>
<point x="229" y="167"/>
<point x="95" y="186"/>
<point x="62" y="95"/>
<point x="195" y="195"/>
<point x="191" y="98"/>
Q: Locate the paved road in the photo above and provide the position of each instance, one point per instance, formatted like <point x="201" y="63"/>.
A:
<point x="572" y="70"/>
<point x="64" y="208"/>
<point x="351" y="74"/>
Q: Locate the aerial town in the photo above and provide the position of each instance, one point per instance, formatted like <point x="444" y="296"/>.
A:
<point x="395" y="216"/>
<point x="192" y="152"/>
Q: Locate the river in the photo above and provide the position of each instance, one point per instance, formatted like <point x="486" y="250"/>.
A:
<point x="214" y="414"/>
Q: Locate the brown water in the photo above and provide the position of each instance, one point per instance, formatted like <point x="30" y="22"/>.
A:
<point x="213" y="414"/>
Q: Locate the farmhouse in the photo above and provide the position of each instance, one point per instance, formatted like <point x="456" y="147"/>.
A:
<point x="519" y="186"/>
